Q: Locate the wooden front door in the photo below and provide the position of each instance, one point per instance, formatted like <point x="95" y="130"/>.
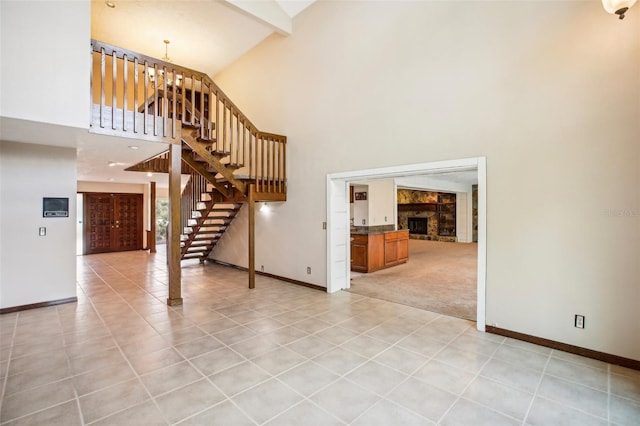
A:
<point x="113" y="222"/>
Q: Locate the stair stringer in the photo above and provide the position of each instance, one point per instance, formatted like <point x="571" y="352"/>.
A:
<point x="226" y="196"/>
<point x="190" y="135"/>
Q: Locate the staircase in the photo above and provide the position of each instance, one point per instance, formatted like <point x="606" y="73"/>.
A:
<point x="229" y="161"/>
<point x="205" y="228"/>
<point x="206" y="216"/>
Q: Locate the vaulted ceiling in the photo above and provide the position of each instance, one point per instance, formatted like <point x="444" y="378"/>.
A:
<point x="205" y="35"/>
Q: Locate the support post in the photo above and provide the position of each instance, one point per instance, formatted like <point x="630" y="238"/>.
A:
<point x="173" y="240"/>
<point x="151" y="238"/>
<point x="252" y="237"/>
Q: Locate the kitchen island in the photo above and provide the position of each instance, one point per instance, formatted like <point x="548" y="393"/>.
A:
<point x="375" y="250"/>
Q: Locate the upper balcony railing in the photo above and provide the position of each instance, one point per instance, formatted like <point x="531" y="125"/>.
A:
<point x="134" y="95"/>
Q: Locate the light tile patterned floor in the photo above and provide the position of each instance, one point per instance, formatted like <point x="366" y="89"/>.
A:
<point x="280" y="355"/>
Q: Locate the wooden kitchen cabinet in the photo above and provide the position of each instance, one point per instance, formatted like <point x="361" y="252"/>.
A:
<point x="359" y="253"/>
<point x="367" y="252"/>
<point x="372" y="252"/>
<point x="396" y="247"/>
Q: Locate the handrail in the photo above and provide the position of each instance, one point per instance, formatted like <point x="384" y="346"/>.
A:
<point x="134" y="95"/>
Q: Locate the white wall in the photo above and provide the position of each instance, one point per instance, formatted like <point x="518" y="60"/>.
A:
<point x="382" y="202"/>
<point x="428" y="183"/>
<point x="162" y="192"/>
<point x="45" y="76"/>
<point x="36" y="269"/>
<point x="361" y="207"/>
<point x="546" y="91"/>
<point x="123" y="188"/>
<point x="463" y="217"/>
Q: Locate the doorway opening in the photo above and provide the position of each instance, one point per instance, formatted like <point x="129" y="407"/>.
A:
<point x="162" y="220"/>
<point x="338" y="218"/>
<point x="438" y="273"/>
<point x="79" y="225"/>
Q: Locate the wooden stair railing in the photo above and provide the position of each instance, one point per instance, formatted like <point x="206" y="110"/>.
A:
<point x="133" y="95"/>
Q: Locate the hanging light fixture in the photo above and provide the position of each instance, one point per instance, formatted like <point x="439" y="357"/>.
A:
<point x="157" y="80"/>
<point x="166" y="51"/>
<point x="618" y="7"/>
<point x="166" y="58"/>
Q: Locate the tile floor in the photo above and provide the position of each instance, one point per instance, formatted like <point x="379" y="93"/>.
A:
<point x="280" y="355"/>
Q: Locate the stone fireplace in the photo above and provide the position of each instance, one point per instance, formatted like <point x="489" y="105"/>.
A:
<point x="418" y="212"/>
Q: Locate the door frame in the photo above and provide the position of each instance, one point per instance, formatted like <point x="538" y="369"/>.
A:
<point x="338" y="224"/>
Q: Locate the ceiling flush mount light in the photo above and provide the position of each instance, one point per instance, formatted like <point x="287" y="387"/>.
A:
<point x="264" y="208"/>
<point x="110" y="4"/>
<point x="149" y="174"/>
<point x="618" y="7"/>
<point x="112" y="163"/>
<point x="133" y="147"/>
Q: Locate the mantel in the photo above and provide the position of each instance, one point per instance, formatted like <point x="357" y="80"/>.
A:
<point x="429" y="207"/>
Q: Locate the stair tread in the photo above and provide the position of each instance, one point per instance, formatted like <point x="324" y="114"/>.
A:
<point x="195" y="249"/>
<point x="217" y="154"/>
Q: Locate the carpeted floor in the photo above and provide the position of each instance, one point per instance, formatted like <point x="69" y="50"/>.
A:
<point x="439" y="277"/>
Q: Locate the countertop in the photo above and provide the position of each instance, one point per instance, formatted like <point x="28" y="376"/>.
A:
<point x="373" y="231"/>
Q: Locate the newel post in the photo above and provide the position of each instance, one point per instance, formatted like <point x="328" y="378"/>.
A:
<point x="173" y="240"/>
<point x="151" y="236"/>
<point x="252" y="237"/>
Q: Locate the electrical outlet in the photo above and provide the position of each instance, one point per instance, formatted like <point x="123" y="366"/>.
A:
<point x="308" y="269"/>
<point x="42" y="231"/>
<point x="262" y="268"/>
<point x="324" y="225"/>
<point x="364" y="221"/>
<point x="579" y="321"/>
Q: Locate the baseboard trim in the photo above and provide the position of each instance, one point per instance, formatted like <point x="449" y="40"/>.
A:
<point x="577" y="350"/>
<point x="266" y="274"/>
<point x="38" y="305"/>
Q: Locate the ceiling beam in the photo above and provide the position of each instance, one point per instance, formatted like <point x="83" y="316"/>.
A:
<point x="266" y="11"/>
